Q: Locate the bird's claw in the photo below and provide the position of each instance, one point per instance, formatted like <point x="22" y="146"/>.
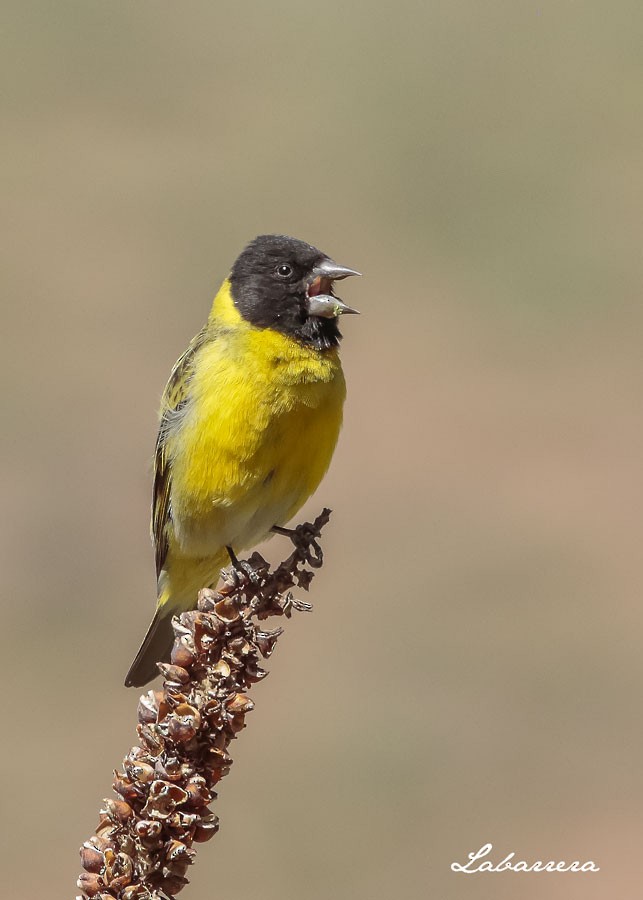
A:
<point x="244" y="569"/>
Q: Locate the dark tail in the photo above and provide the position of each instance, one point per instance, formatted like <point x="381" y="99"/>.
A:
<point x="156" y="647"/>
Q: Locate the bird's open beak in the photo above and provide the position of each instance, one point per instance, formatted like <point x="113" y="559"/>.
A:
<point x="321" y="301"/>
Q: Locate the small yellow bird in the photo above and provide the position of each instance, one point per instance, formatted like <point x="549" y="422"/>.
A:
<point x="249" y="421"/>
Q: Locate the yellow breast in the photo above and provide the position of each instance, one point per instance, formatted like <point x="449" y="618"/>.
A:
<point x="257" y="434"/>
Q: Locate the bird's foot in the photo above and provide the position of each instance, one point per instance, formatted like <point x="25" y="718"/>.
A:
<point x="244" y="568"/>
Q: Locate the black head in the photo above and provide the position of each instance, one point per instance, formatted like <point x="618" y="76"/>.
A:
<point x="281" y="283"/>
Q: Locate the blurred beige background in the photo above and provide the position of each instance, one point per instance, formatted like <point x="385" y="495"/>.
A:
<point x="472" y="671"/>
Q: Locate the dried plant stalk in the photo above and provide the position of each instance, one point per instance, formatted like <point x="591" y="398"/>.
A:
<point x="144" y="842"/>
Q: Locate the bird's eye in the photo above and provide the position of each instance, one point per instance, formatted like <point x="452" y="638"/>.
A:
<point x="284" y="271"/>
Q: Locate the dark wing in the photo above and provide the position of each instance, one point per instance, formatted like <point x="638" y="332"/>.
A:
<point x="175" y="398"/>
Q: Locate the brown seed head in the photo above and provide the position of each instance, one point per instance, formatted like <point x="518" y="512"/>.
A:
<point x="143" y="844"/>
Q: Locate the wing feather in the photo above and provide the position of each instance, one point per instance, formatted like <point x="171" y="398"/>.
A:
<point x="175" y="397"/>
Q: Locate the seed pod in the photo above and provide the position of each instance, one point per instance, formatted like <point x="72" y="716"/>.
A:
<point x="206" y="828"/>
<point x="147" y="707"/>
<point x="105" y="829"/>
<point x="208" y="623"/>
<point x="186" y="820"/>
<point x="227" y="610"/>
<point x="163" y="798"/>
<point x="151" y="737"/>
<point x="254" y="672"/>
<point x="212" y="712"/>
<point x="90" y="883"/>
<point x="91" y="859"/>
<point x="173" y="768"/>
<point x="219" y="740"/>
<point x="186" y="770"/>
<point x="218" y="757"/>
<point x="119" y="871"/>
<point x="182" y="625"/>
<point x="240" y="647"/>
<point x="177" y="851"/>
<point x="207" y="598"/>
<point x="136" y="754"/>
<point x="125" y="788"/>
<point x="135" y="892"/>
<point x="127" y="843"/>
<point x="239" y="704"/>
<point x="266" y="640"/>
<point x="222" y="669"/>
<point x="218" y="764"/>
<point x="207" y="629"/>
<point x="184" y="723"/>
<point x="186" y="621"/>
<point x="140" y="771"/>
<point x="186" y="711"/>
<point x="235" y="724"/>
<point x="181" y="731"/>
<point x="118" y="810"/>
<point x="183" y="652"/>
<point x="148" y="831"/>
<point x="165" y="706"/>
<point x="197" y="791"/>
<point x="173" y="673"/>
<point x="180" y="868"/>
<point x="100" y="843"/>
<point x="170" y="770"/>
<point x="205" y="641"/>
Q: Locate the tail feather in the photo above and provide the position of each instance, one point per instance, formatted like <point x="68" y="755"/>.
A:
<point x="156" y="647"/>
<point x="179" y="590"/>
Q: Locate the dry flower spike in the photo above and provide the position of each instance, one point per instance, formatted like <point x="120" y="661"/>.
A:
<point x="144" y="842"/>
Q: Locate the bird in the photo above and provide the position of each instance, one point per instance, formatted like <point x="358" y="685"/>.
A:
<point x="248" y="424"/>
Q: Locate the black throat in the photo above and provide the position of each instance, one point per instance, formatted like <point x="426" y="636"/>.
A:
<point x="284" y="311"/>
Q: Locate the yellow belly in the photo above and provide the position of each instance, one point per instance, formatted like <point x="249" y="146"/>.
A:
<point x="255" y="441"/>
